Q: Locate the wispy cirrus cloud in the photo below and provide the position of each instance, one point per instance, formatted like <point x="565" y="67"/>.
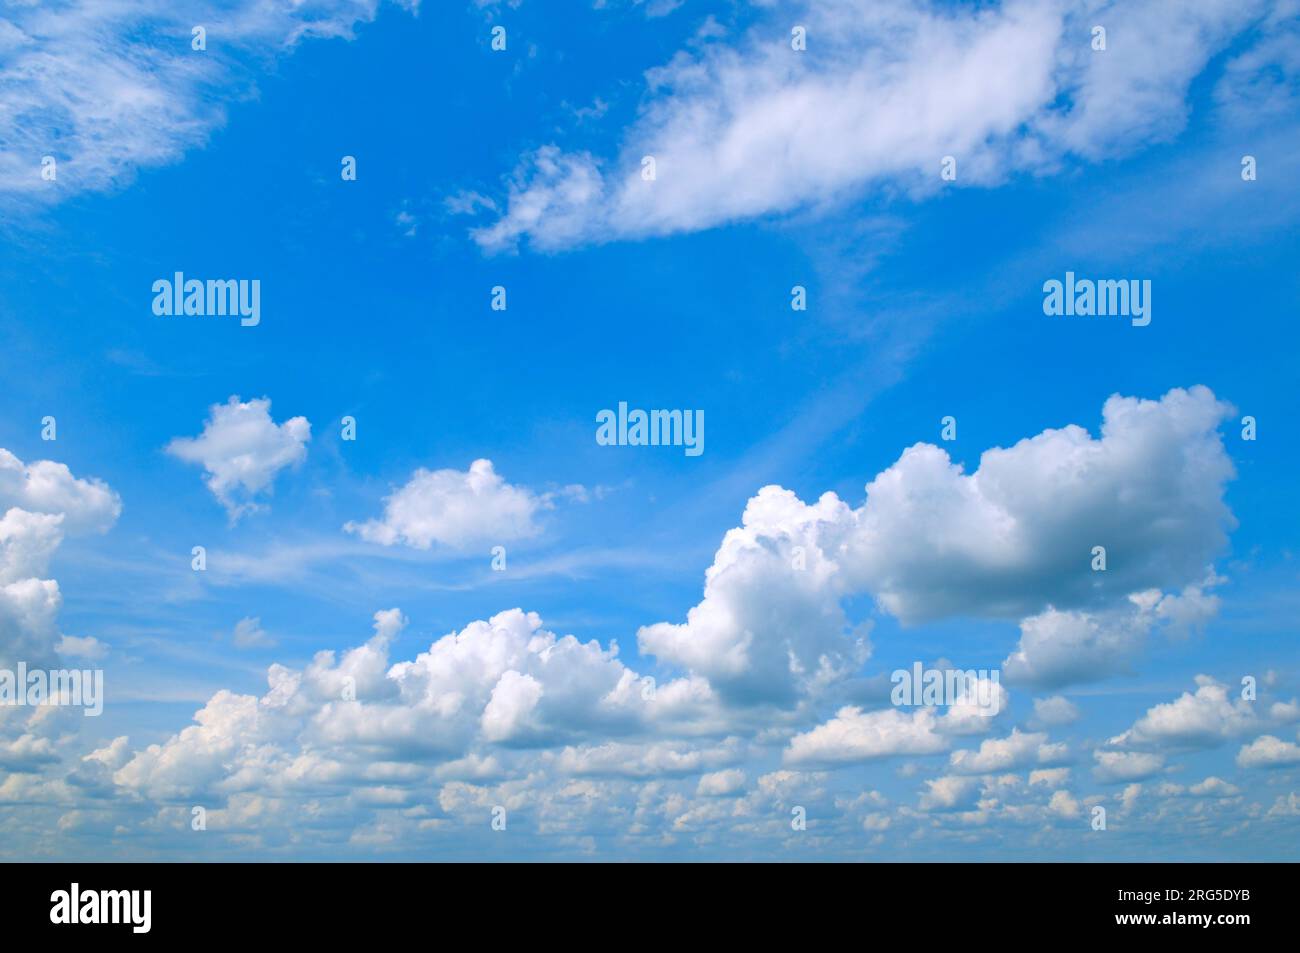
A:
<point x="745" y="128"/>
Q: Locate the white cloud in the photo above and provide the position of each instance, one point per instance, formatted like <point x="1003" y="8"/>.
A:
<point x="1114" y="766"/>
<point x="505" y="682"/>
<point x="1049" y="777"/>
<point x="249" y="634"/>
<point x="243" y="450"/>
<point x="110" y="88"/>
<point x="1268" y="751"/>
<point x="85" y="505"/>
<point x="854" y="735"/>
<point x="1063" y="804"/>
<point x="1017" y="535"/>
<point x="885" y="89"/>
<point x="40" y="503"/>
<point x="1064" y="648"/>
<point x="721" y="783"/>
<point x="1057" y="710"/>
<point x="1005" y="754"/>
<point x="1214" y="787"/>
<point x="1014" y="537"/>
<point x="85" y="647"/>
<point x="1205" y="718"/>
<point x="456" y="509"/>
<point x="770" y="625"/>
<point x="949" y="793"/>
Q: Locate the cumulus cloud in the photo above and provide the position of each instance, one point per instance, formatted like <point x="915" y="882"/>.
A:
<point x="1116" y="766"/>
<point x="505" y="682"/>
<point x="1214" y="787"/>
<point x="1193" y="720"/>
<point x="243" y="450"/>
<point x="949" y="793"/>
<point x="1268" y="751"/>
<point x="84" y="505"/>
<point x="1005" y="754"/>
<point x="1054" y="711"/>
<point x="1059" y="648"/>
<point x="505" y="712"/>
<point x="1013" y="538"/>
<point x="856" y="735"/>
<point x="883" y="92"/>
<point x="721" y="783"/>
<point x="455" y="509"/>
<point x="41" y="503"/>
<point x="770" y="625"/>
<point x="1016" y="535"/>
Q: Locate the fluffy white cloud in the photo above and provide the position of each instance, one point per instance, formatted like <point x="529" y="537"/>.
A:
<point x="243" y="450"/>
<point x="1049" y="777"/>
<point x="1063" y="648"/>
<point x="1268" y="751"/>
<point x="1004" y="754"/>
<point x="1116" y="766"/>
<point x="885" y="89"/>
<point x="721" y="783"/>
<point x="39" y="504"/>
<point x="1057" y="710"/>
<point x="949" y="793"/>
<point x="1214" y="787"/>
<point x="84" y="505"/>
<point x="1013" y="537"/>
<point x="770" y="625"/>
<point x="456" y="509"/>
<point x="857" y="735"/>
<point x="504" y="682"/>
<point x="1017" y="535"/>
<point x="1206" y="717"/>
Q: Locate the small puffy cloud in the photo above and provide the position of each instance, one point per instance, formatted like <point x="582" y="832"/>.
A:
<point x="721" y="783"/>
<point x="249" y="634"/>
<point x="1004" y="754"/>
<point x="456" y="509"/>
<point x="1064" y="648"/>
<point x="1214" y="787"/>
<point x="855" y="735"/>
<point x="1268" y="751"/>
<point x="1063" y="804"/>
<point x="1054" y="711"/>
<point x="1197" y="720"/>
<point x="243" y="450"/>
<point x="949" y="793"/>
<point x="84" y="647"/>
<point x="1049" y="777"/>
<point x="1116" y="766"/>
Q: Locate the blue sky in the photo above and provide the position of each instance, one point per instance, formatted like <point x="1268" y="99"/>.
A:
<point x="775" y="168"/>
